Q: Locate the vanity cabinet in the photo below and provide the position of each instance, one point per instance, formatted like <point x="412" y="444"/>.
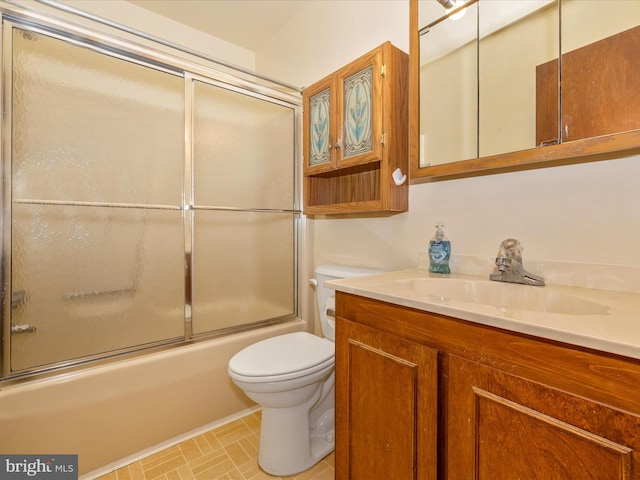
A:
<point x="355" y="134"/>
<point x="498" y="404"/>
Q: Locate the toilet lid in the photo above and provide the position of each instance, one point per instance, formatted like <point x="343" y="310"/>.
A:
<point x="282" y="355"/>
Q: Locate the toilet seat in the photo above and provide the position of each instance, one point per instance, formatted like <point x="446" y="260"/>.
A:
<point x="282" y="358"/>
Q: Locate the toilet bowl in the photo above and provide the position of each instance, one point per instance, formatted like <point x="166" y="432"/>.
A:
<point x="292" y="378"/>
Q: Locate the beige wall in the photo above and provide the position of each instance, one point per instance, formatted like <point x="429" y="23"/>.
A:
<point x="581" y="213"/>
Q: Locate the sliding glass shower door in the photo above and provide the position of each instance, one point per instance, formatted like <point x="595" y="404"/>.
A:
<point x="243" y="267"/>
<point x="96" y="188"/>
<point x="141" y="207"/>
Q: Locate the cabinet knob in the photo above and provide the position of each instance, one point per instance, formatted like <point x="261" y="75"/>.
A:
<point x="338" y="144"/>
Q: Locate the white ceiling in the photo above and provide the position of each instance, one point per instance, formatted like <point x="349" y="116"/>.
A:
<point x="246" y="23"/>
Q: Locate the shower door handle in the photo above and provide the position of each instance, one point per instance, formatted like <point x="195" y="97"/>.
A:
<point x="25" y="328"/>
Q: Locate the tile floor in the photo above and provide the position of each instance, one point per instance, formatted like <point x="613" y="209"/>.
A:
<point x="229" y="452"/>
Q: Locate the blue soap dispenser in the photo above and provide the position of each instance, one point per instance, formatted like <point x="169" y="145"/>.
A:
<point x="439" y="252"/>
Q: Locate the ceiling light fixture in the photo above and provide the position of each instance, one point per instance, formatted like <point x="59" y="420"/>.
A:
<point x="450" y="5"/>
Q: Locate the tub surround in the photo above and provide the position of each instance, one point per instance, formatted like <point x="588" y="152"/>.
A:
<point x="127" y="406"/>
<point x="611" y="326"/>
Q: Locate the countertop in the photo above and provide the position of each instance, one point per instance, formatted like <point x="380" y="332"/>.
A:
<point x="603" y="320"/>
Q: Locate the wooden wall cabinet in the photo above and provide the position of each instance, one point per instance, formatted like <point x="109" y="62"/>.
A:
<point x="355" y="134"/>
<point x="508" y="405"/>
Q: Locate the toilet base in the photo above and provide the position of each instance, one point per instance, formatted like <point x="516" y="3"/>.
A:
<point x="290" y="443"/>
<point x="291" y="450"/>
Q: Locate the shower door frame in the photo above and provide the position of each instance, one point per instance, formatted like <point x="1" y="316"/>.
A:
<point x="130" y="51"/>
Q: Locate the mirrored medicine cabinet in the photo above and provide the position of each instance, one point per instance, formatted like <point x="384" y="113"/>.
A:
<point x="485" y="88"/>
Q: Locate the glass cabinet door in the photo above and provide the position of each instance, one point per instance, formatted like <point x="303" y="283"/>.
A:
<point x="319" y="114"/>
<point x="319" y="121"/>
<point x="356" y="128"/>
<point x="360" y="126"/>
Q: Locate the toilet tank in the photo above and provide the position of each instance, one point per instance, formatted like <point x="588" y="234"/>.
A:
<point x="326" y="295"/>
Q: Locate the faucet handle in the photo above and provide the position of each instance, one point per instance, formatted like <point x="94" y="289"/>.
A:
<point x="511" y="248"/>
<point x="510" y="268"/>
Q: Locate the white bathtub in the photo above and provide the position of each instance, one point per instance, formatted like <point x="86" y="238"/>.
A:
<point x="110" y="412"/>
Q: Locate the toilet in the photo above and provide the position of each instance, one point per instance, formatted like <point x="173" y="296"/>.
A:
<point x="292" y="378"/>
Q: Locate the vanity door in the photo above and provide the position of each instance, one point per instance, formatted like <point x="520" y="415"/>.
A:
<point x="501" y="425"/>
<point x="386" y="406"/>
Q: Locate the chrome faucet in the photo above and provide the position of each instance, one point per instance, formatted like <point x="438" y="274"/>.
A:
<point x="509" y="263"/>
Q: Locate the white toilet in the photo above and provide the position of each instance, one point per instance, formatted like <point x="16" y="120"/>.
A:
<point x="292" y="377"/>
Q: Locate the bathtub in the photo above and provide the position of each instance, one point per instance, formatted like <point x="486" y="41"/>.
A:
<point x="111" y="412"/>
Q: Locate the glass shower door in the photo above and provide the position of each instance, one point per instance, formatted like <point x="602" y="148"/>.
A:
<point x="97" y="167"/>
<point x="244" y="209"/>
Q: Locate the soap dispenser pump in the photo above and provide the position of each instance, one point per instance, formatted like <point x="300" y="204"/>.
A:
<point x="439" y="252"/>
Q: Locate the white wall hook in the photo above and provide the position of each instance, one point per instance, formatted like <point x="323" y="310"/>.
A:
<point x="398" y="177"/>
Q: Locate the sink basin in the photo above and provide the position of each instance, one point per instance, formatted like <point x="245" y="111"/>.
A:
<point x="503" y="296"/>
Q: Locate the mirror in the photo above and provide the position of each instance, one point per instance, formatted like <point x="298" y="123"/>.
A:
<point x="600" y="68"/>
<point x="515" y="37"/>
<point x="448" y="86"/>
<point x="474" y="72"/>
<point x="485" y="91"/>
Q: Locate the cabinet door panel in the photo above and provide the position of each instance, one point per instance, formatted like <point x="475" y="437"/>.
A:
<point x="360" y="106"/>
<point x="386" y="414"/>
<point x="319" y="127"/>
<point x="378" y="375"/>
<point x="358" y="109"/>
<point x="503" y="426"/>
<point x="319" y="116"/>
